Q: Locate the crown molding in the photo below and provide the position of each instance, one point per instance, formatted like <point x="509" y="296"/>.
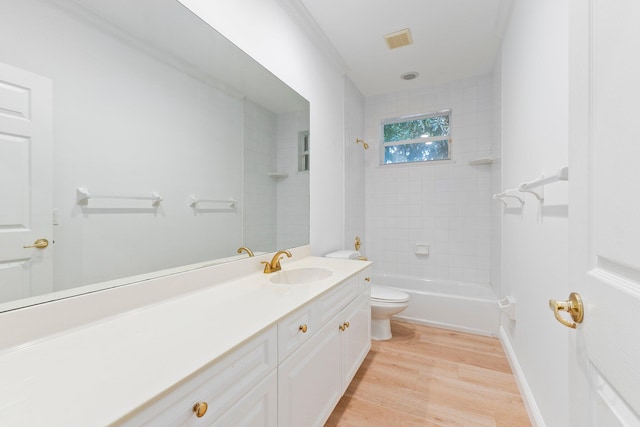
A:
<point x="308" y="25"/>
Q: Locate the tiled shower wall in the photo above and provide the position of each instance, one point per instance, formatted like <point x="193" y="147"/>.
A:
<point x="446" y="205"/>
<point x="271" y="145"/>
<point x="260" y="158"/>
<point x="293" y="191"/>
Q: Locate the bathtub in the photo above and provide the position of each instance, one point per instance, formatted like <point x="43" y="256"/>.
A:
<point x="462" y="306"/>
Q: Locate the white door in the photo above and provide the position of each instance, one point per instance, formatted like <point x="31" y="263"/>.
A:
<point x="604" y="215"/>
<point x="25" y="183"/>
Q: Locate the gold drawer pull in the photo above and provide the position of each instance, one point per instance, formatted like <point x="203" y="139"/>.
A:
<point x="200" y="409"/>
<point x="303" y="328"/>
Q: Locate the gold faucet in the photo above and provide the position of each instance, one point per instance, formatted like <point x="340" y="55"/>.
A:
<point x="246" y="249"/>
<point x="274" y="265"/>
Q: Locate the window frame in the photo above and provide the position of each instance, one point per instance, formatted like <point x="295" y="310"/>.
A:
<point x="407" y="118"/>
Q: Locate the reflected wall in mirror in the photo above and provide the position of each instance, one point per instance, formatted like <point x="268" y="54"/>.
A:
<point x="137" y="97"/>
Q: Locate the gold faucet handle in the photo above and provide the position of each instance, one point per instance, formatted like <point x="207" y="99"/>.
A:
<point x="267" y="267"/>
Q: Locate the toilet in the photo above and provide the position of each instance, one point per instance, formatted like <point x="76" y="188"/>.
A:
<point x="385" y="302"/>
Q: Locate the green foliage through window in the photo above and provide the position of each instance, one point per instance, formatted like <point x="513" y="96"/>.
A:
<point x="416" y="139"/>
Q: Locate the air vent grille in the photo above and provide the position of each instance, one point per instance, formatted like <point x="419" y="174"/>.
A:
<point x="398" y="39"/>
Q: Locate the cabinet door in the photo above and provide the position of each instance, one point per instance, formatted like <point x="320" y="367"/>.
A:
<point x="258" y="408"/>
<point x="356" y="337"/>
<point x="309" y="381"/>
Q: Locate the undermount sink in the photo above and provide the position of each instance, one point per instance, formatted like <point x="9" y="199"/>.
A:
<point x="296" y="276"/>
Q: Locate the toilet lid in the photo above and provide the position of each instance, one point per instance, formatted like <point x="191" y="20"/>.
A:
<point x="382" y="293"/>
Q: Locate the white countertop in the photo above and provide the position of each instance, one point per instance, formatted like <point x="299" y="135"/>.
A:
<point x="97" y="373"/>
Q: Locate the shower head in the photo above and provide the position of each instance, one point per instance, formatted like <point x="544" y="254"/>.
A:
<point x="364" y="144"/>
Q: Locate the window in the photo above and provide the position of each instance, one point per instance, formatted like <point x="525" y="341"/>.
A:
<point x="420" y="138"/>
<point x="303" y="151"/>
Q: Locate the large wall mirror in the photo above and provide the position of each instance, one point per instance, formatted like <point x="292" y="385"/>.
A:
<point x="139" y="142"/>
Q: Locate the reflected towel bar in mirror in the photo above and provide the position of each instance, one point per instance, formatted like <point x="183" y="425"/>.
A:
<point x="83" y="195"/>
<point x="194" y="201"/>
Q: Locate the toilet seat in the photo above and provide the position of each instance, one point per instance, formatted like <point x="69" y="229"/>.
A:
<point x="387" y="295"/>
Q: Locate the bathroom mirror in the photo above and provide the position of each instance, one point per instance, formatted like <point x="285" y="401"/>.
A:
<point x="172" y="148"/>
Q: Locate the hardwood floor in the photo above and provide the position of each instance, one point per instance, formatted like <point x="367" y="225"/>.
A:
<point x="426" y="376"/>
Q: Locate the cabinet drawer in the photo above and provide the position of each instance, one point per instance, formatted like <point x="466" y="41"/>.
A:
<point x="330" y="304"/>
<point x="295" y="329"/>
<point x="220" y="385"/>
<point x="364" y="277"/>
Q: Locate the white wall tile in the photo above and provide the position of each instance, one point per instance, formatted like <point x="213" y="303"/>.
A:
<point x="447" y="206"/>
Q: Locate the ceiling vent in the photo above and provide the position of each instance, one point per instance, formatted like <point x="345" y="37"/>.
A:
<point x="398" y="39"/>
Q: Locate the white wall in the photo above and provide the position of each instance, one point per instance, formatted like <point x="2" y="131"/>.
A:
<point x="354" y="168"/>
<point x="265" y="31"/>
<point x="444" y="204"/>
<point x="534" y="253"/>
<point x="103" y="86"/>
<point x="293" y="191"/>
<point x="496" y="178"/>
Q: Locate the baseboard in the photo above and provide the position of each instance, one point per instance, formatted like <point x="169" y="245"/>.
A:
<point x="440" y="325"/>
<point x="527" y="396"/>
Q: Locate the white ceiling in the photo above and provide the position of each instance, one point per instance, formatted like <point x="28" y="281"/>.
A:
<point x="452" y="39"/>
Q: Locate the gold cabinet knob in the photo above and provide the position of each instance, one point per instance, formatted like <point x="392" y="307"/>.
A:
<point x="367" y="279"/>
<point x="303" y="328"/>
<point x="573" y="306"/>
<point x="341" y="327"/>
<point x="39" y="244"/>
<point x="200" y="409"/>
<point x="346" y="324"/>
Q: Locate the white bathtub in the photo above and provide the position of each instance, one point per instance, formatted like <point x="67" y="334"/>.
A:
<point x="463" y="306"/>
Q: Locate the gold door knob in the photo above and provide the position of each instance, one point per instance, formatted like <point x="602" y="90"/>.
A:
<point x="573" y="306"/>
<point x="303" y="328"/>
<point x="200" y="409"/>
<point x="39" y="244"/>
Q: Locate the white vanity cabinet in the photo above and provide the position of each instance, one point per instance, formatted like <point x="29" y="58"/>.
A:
<point x="313" y="378"/>
<point x="238" y="390"/>
<point x="290" y="375"/>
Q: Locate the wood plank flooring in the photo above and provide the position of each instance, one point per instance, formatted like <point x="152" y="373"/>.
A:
<point x="427" y="376"/>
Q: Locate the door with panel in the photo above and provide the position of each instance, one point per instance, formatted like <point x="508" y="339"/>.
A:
<point x="604" y="216"/>
<point x="26" y="226"/>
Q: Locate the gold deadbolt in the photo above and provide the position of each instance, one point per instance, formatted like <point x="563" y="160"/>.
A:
<point x="573" y="306"/>
<point x="303" y="328"/>
<point x="39" y="244"/>
<point x="200" y="409"/>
